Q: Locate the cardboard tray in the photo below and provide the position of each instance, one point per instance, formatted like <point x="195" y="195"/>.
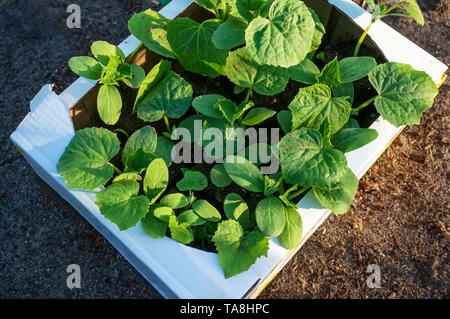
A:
<point x="176" y="270"/>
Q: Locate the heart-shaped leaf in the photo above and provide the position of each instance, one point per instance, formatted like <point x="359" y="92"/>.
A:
<point x="192" y="44"/>
<point x="121" y="204"/>
<point x="230" y="34"/>
<point x="305" y="162"/>
<point x="404" y="93"/>
<point x="192" y="181"/>
<point x="339" y="197"/>
<point x="319" y="31"/>
<point x="236" y="251"/>
<point x="244" y="71"/>
<point x="85" y="161"/>
<point x="171" y="97"/>
<point x="313" y="105"/>
<point x="145" y="138"/>
<point x="284" y="38"/>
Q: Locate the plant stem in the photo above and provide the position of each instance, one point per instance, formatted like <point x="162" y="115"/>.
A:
<point x="363" y="105"/>
<point x="118" y="171"/>
<point x="361" y="39"/>
<point x="166" y="120"/>
<point x="249" y="94"/>
<point x="297" y="193"/>
<point x="131" y="56"/>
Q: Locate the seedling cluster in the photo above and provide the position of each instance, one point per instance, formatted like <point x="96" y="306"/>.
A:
<point x="259" y="46"/>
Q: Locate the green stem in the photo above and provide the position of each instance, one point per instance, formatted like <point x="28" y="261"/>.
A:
<point x="298" y="193"/>
<point x="118" y="171"/>
<point x="166" y="120"/>
<point x="249" y="94"/>
<point x="363" y="105"/>
<point x="131" y="56"/>
<point x="361" y="39"/>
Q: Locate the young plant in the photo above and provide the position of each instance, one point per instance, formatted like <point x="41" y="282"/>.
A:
<point x="110" y="67"/>
<point x="380" y="10"/>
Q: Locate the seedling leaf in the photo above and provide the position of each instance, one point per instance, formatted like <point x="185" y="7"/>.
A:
<point x="109" y="104"/>
<point x="86" y="67"/>
<point x="244" y="173"/>
<point x="156" y="179"/>
<point x="291" y="235"/>
<point x="270" y="216"/>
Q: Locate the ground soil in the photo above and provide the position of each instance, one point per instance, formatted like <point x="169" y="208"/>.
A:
<point x="399" y="219"/>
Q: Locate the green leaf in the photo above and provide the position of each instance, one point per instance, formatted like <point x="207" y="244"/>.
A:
<point x="150" y="28"/>
<point x="339" y="197"/>
<point x="180" y="232"/>
<point x="319" y="31"/>
<point x="193" y="46"/>
<point x="127" y="176"/>
<point x="153" y="226"/>
<point x="230" y="34"/>
<point x="244" y="173"/>
<point x="210" y="5"/>
<point x="285" y="120"/>
<point x="242" y="108"/>
<point x="174" y="200"/>
<point x="355" y="68"/>
<point x="352" y="123"/>
<point x="346" y="90"/>
<point x="85" y="161"/>
<point x="284" y="38"/>
<point x="257" y="115"/>
<point x="259" y="153"/>
<point x="236" y="208"/>
<point x="86" y="67"/>
<point x="413" y="9"/>
<point x="156" y="74"/>
<point x="313" y="105"/>
<point x="236" y="251"/>
<point x="115" y="71"/>
<point x="227" y="108"/>
<point x="145" y="138"/>
<point x="138" y="75"/>
<point x="206" y="211"/>
<point x="305" y="162"/>
<point x="191" y="218"/>
<point x="271" y="185"/>
<point x="249" y="9"/>
<point x="193" y="180"/>
<point x="164" y="149"/>
<point x="270" y="216"/>
<point x="404" y="93"/>
<point x="305" y="72"/>
<point x="103" y="50"/>
<point x="163" y="213"/>
<point x="156" y="179"/>
<point x="219" y="176"/>
<point x="206" y="104"/>
<point x="109" y="104"/>
<point x="138" y="161"/>
<point x="292" y="232"/>
<point x="121" y="204"/>
<point x="330" y="74"/>
<point x="350" y="139"/>
<point x="242" y="70"/>
<point x="171" y="97"/>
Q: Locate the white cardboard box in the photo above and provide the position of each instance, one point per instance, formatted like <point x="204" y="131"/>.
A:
<point x="175" y="270"/>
